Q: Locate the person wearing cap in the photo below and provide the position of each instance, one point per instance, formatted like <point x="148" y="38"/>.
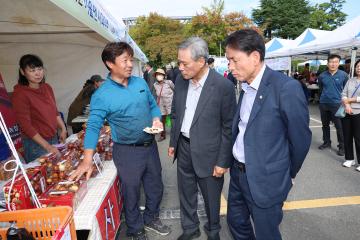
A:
<point x="164" y="89"/>
<point x="98" y="80"/>
<point x="82" y="100"/>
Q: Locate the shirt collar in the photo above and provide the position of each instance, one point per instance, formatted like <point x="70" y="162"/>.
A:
<point x="116" y="83"/>
<point x="202" y="80"/>
<point x="334" y="73"/>
<point x="256" y="82"/>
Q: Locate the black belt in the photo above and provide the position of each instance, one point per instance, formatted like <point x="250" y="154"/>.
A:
<point x="144" y="144"/>
<point x="240" y="166"/>
<point x="185" y="138"/>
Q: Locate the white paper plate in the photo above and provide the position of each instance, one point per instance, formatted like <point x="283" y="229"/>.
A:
<point x="150" y="130"/>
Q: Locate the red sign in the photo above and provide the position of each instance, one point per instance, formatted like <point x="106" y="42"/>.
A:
<point x="108" y="215"/>
<point x="9" y="116"/>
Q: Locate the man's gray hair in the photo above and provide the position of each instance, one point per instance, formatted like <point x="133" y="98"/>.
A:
<point x="198" y="47"/>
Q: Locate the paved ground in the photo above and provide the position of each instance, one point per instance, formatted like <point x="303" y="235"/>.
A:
<point x="321" y="177"/>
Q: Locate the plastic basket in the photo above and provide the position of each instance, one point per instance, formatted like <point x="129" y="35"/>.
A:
<point x="55" y="223"/>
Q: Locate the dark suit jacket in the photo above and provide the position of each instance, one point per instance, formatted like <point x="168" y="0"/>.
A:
<point x="277" y="137"/>
<point x="150" y="80"/>
<point x="210" y="132"/>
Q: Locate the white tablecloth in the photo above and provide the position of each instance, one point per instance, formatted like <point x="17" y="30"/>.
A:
<point x="80" y="119"/>
<point x="85" y="214"/>
<point x="313" y="87"/>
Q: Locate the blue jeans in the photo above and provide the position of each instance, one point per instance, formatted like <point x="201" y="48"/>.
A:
<point x="33" y="150"/>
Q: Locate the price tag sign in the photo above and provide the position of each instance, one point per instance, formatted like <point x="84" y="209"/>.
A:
<point x="98" y="163"/>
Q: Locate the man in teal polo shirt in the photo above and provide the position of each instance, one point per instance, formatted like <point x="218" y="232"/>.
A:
<point x="331" y="84"/>
<point x="127" y="104"/>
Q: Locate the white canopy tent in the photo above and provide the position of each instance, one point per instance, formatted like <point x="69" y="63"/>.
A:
<point x="340" y="41"/>
<point x="67" y="35"/>
<point x="308" y="36"/>
<point x="274" y="45"/>
<point x="343" y="41"/>
<point x="278" y="45"/>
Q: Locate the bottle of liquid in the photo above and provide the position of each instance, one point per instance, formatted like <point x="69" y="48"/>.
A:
<point x="12" y="233"/>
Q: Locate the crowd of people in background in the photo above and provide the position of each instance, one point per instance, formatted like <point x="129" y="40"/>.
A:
<point x="336" y="91"/>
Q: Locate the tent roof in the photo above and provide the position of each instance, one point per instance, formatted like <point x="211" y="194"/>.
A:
<point x="45" y="17"/>
<point x="63" y="22"/>
<point x="310" y="35"/>
<point x="307" y="36"/>
<point x="339" y="41"/>
<point x="276" y="44"/>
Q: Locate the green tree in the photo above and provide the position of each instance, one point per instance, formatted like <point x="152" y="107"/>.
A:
<point x="327" y="15"/>
<point x="213" y="25"/>
<point x="237" y="20"/>
<point x="158" y="37"/>
<point x="282" y="18"/>
<point x="210" y="26"/>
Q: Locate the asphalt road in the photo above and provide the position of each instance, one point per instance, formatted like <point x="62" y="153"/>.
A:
<point x="322" y="178"/>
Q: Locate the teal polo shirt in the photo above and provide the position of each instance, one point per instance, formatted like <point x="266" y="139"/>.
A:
<point x="331" y="86"/>
<point x="128" y="110"/>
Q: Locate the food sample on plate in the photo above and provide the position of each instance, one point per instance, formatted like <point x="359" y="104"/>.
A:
<point x="153" y="130"/>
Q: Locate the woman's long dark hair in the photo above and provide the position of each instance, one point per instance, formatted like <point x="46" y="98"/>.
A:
<point x="31" y="61"/>
<point x="357" y="63"/>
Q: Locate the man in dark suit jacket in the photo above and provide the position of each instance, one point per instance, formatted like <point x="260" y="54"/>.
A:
<point x="271" y="138"/>
<point x="150" y="78"/>
<point x="203" y="107"/>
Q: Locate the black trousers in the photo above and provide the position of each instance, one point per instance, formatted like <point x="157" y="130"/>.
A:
<point x="327" y="112"/>
<point x="188" y="182"/>
<point x="351" y="129"/>
<point x="136" y="165"/>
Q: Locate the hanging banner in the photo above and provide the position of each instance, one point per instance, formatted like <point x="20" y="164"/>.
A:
<point x="96" y="17"/>
<point x="93" y="15"/>
<point x="221" y="65"/>
<point x="278" y="64"/>
<point x="10" y="120"/>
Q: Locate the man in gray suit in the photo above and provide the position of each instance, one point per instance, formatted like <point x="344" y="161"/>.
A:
<point x="202" y="111"/>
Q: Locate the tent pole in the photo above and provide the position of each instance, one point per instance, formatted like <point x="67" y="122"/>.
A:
<point x="353" y="58"/>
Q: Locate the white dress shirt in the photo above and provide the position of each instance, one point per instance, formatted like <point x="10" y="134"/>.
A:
<point x="247" y="103"/>
<point x="192" y="99"/>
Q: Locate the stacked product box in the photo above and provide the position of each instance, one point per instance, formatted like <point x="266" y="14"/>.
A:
<point x="20" y="197"/>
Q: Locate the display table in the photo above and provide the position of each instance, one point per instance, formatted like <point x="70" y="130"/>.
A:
<point x="99" y="211"/>
<point x="314" y="92"/>
<point x="80" y="119"/>
<point x="313" y="87"/>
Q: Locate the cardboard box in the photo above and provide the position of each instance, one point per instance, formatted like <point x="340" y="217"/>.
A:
<point x="20" y="197"/>
<point x="55" y="196"/>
